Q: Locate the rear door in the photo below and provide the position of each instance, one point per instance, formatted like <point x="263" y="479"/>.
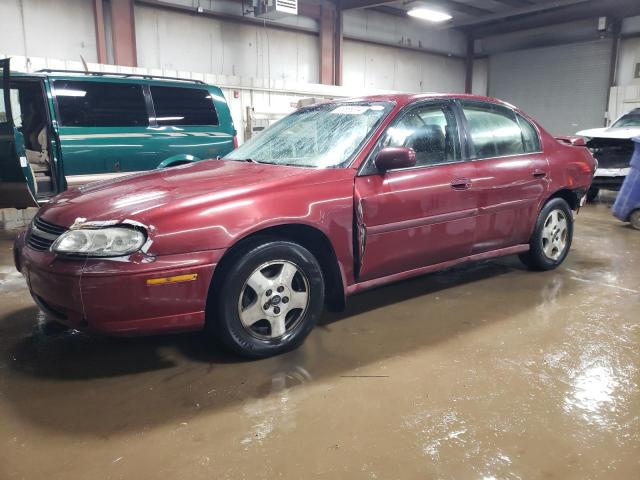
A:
<point x="511" y="174"/>
<point x="14" y="189"/>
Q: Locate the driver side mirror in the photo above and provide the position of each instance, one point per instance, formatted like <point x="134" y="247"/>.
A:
<point x="391" y="158"/>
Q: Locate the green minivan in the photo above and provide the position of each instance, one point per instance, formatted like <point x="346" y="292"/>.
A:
<point x="62" y="129"/>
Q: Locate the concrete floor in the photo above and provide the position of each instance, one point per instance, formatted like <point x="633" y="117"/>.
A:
<point x="483" y="372"/>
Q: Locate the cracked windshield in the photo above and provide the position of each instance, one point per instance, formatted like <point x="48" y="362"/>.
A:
<point x="322" y="136"/>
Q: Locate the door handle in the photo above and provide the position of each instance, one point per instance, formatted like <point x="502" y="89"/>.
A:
<point x="461" y="184"/>
<point x="539" y="174"/>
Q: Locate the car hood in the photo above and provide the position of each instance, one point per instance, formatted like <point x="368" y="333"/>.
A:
<point x="145" y="197"/>
<point x="619" y="132"/>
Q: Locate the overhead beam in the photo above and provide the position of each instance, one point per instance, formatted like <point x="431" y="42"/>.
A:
<point x="396" y="12"/>
<point x="123" y="33"/>
<point x="463" y="8"/>
<point x="533" y="9"/>
<point x="515" y="3"/>
<point x="353" y="4"/>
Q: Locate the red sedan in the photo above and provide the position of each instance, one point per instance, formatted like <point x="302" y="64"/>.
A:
<point x="333" y="199"/>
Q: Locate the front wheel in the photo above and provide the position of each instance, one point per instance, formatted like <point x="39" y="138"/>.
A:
<point x="552" y="236"/>
<point x="269" y="299"/>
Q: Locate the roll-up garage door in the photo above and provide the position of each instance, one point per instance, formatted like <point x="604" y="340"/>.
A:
<point x="564" y="87"/>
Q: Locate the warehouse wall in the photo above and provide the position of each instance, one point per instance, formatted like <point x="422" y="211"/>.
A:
<point x="627" y="61"/>
<point x="172" y="40"/>
<point x="480" y="80"/>
<point x="48" y="28"/>
<point x="177" y="41"/>
<point x="564" y="87"/>
<point x="369" y="25"/>
<point x="374" y="66"/>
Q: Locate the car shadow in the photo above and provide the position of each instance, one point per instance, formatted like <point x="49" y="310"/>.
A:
<point x="86" y="384"/>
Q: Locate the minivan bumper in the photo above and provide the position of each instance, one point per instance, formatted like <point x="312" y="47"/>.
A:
<point x="120" y="297"/>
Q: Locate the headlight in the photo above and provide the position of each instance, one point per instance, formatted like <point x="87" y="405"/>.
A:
<point x="100" y="242"/>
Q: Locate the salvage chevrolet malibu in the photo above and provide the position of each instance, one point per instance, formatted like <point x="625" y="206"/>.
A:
<point x="333" y="199"/>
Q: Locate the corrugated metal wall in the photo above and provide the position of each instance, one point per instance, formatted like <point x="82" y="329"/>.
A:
<point x="564" y="87"/>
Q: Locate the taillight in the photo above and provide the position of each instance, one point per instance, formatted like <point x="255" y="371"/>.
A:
<point x="235" y="141"/>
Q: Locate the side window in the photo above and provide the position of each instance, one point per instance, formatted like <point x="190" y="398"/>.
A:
<point x="431" y="131"/>
<point x="183" y="106"/>
<point x="494" y="130"/>
<point x="529" y="135"/>
<point x="100" y="104"/>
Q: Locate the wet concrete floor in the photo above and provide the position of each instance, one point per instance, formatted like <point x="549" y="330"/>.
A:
<point x="483" y="372"/>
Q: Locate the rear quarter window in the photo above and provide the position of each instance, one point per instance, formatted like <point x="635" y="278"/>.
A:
<point x="100" y="104"/>
<point x="183" y="106"/>
<point x="529" y="135"/>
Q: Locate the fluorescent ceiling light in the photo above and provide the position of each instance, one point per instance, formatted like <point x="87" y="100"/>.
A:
<point x="430" y="15"/>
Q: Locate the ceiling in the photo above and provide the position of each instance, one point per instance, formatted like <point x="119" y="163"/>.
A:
<point x="490" y="17"/>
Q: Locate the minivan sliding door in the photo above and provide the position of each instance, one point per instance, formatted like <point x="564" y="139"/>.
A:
<point x="14" y="190"/>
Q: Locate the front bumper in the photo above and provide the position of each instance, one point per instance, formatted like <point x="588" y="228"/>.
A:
<point x="609" y="178"/>
<point x="114" y="296"/>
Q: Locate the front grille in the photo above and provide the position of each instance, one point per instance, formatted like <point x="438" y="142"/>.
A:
<point x="42" y="234"/>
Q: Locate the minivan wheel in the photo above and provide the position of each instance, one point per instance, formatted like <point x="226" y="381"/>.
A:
<point x="552" y="236"/>
<point x="269" y="299"/>
<point x="592" y="194"/>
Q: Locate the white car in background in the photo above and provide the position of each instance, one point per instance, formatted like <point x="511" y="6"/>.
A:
<point x="612" y="147"/>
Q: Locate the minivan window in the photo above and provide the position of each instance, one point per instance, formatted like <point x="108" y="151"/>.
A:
<point x="183" y="106"/>
<point x="100" y="104"/>
<point x="494" y="130"/>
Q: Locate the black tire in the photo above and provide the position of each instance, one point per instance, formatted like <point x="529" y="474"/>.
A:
<point x="223" y="309"/>
<point x="592" y="194"/>
<point x="536" y="258"/>
<point x="634" y="219"/>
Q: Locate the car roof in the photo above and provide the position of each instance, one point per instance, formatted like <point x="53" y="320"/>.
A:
<point x="402" y="99"/>
<point x="113" y="77"/>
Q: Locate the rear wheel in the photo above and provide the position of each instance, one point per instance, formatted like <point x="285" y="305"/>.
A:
<point x="592" y="194"/>
<point x="269" y="299"/>
<point x="634" y="219"/>
<point x="551" y="239"/>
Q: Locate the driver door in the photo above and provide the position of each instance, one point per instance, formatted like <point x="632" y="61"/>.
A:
<point x="14" y="169"/>
<point x="420" y="216"/>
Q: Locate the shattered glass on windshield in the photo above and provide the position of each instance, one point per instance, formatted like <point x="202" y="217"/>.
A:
<point x="321" y="136"/>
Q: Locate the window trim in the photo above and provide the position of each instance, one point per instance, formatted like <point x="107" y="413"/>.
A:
<point x="183" y="87"/>
<point x="492" y="105"/>
<point x="56" y="106"/>
<point x="398" y="117"/>
<point x="519" y="116"/>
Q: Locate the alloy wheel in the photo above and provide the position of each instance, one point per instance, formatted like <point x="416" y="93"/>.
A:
<point x="274" y="300"/>
<point x="554" y="234"/>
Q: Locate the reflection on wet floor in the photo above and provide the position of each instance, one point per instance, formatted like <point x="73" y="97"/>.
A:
<point x="486" y="371"/>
